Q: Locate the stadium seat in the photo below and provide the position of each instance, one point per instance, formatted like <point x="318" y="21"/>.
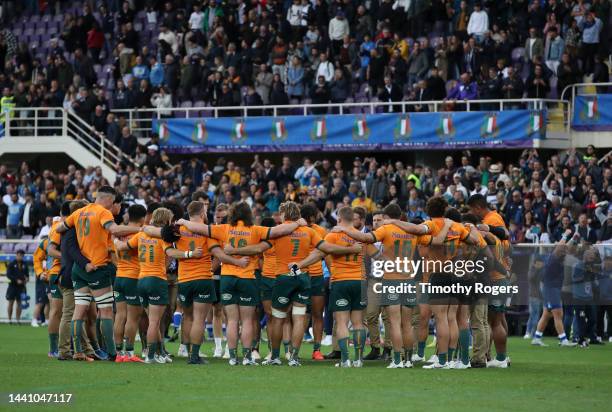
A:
<point x="518" y="53"/>
<point x="7" y="247"/>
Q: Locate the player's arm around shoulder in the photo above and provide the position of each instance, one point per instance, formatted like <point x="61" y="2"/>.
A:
<point x="285" y="228"/>
<point x="248" y="250"/>
<point x="330" y="246"/>
<point x="223" y="257"/>
<point x="355" y="234"/>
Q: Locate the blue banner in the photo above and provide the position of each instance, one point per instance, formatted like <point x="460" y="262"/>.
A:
<point x="447" y="130"/>
<point x="592" y="113"/>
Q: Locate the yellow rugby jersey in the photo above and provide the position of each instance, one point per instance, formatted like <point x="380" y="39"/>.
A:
<point x="90" y="223"/>
<point x="239" y="236"/>
<point x="151" y="255"/>
<point x="295" y="247"/>
<point x="498" y="253"/>
<point x="128" y="265"/>
<point x="55" y="238"/>
<point x="269" y="268"/>
<point x="492" y="218"/>
<point x="399" y="244"/>
<point x="345" y="267"/>
<point x="316" y="269"/>
<point x="446" y="252"/>
<point x="40" y="255"/>
<point x="195" y="268"/>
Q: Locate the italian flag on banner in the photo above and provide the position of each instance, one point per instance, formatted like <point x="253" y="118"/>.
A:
<point x="320" y="130"/>
<point x="404" y="126"/>
<point x="163" y="131"/>
<point x="239" y="129"/>
<point x="491" y="124"/>
<point x="200" y="131"/>
<point x="537" y="122"/>
<point x="592" y="108"/>
<point x="279" y="128"/>
<point x="361" y="127"/>
<point x="447" y="125"/>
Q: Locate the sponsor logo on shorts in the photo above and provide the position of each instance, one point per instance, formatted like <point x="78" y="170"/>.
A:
<point x="154" y="297"/>
<point x="130" y="297"/>
<point x="362" y="303"/>
<point x="393" y="296"/>
<point x="96" y="283"/>
<point x="226" y="296"/>
<point x="203" y="296"/>
<point x="141" y="299"/>
<point x="302" y="296"/>
<point x="242" y="299"/>
<point x="342" y="302"/>
<point x="182" y="298"/>
<point x="283" y="300"/>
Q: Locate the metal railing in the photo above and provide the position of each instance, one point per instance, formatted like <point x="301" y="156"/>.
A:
<point x="575" y="88"/>
<point x="55" y="121"/>
<point x="141" y="120"/>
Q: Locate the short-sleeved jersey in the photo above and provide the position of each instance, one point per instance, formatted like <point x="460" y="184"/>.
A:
<point x="399" y="244"/>
<point x="492" y="218"/>
<point x="90" y="223"/>
<point x="54" y="265"/>
<point x="200" y="268"/>
<point x="40" y="255"/>
<point x="151" y="255"/>
<point x="268" y="270"/>
<point x="498" y="252"/>
<point x="452" y="244"/>
<point x="316" y="269"/>
<point x="345" y="267"/>
<point x="294" y="247"/>
<point x="472" y="251"/>
<point x="239" y="236"/>
<point x="128" y="265"/>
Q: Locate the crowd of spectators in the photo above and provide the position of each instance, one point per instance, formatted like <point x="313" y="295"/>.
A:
<point x="112" y="55"/>
<point x="539" y="197"/>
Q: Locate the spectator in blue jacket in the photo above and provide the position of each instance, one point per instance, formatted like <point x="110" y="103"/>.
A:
<point x="295" y="79"/>
<point x="140" y="70"/>
<point x="13" y="221"/>
<point x="554" y="50"/>
<point x="156" y="75"/>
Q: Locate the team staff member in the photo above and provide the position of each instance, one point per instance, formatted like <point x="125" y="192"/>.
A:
<point x="196" y="288"/>
<point x="18" y="275"/>
<point x="374" y="310"/>
<point x="94" y="224"/>
<point x="127" y="300"/>
<point x="239" y="292"/>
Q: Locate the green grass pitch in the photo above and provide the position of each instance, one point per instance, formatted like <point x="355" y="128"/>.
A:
<point x="546" y="379"/>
